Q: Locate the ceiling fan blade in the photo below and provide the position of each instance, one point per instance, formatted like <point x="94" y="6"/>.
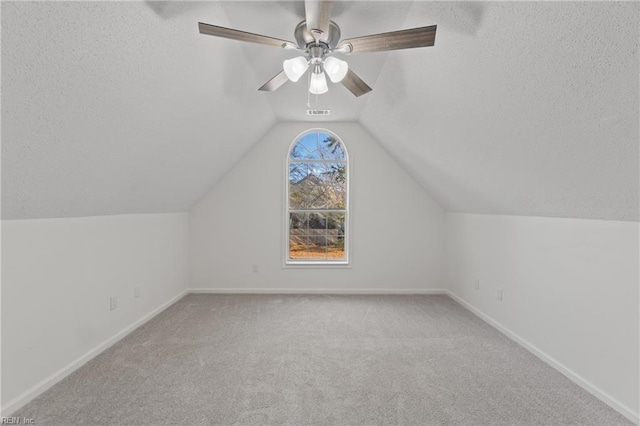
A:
<point x="214" y="30"/>
<point x="403" y="39"/>
<point x="318" y="15"/>
<point x="355" y="84"/>
<point x="275" y="82"/>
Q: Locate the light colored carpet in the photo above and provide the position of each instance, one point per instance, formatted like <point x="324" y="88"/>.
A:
<point x="326" y="360"/>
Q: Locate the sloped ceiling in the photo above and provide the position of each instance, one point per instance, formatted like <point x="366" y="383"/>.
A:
<point x="520" y="108"/>
<point x="534" y="112"/>
<point x="112" y="108"/>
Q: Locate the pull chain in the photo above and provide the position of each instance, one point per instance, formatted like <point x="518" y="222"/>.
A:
<point x="308" y="87"/>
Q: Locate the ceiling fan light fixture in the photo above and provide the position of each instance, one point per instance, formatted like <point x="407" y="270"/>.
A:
<point x="335" y="69"/>
<point x="295" y="68"/>
<point x="318" y="36"/>
<point x="318" y="84"/>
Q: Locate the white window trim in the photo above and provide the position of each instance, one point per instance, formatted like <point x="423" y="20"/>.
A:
<point x="294" y="264"/>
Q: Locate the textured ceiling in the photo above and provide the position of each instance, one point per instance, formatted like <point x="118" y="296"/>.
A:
<point x="112" y="108"/>
<point x="535" y="112"/>
<point x="520" y="108"/>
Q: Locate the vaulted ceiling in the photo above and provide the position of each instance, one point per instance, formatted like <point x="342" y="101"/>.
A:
<point x="520" y="108"/>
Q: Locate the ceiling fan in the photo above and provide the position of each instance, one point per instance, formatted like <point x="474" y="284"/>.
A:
<point x="318" y="38"/>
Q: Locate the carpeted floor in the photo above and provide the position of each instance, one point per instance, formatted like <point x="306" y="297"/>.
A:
<point x="326" y="360"/>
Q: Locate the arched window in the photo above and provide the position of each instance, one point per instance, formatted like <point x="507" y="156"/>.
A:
<point x="317" y="200"/>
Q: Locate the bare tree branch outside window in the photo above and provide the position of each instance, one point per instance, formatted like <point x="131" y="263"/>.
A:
<point x="317" y="198"/>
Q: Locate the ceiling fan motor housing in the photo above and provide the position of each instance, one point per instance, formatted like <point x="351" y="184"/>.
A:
<point x="304" y="37"/>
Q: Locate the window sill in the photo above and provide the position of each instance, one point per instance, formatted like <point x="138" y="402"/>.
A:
<point x="317" y="265"/>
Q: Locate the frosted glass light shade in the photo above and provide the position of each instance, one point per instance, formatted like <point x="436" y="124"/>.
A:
<point x="318" y="84"/>
<point x="335" y="69"/>
<point x="295" y="68"/>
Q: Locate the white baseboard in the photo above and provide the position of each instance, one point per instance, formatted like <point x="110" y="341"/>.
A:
<point x="18" y="402"/>
<point x="574" y="377"/>
<point x="334" y="291"/>
<point x="45" y="384"/>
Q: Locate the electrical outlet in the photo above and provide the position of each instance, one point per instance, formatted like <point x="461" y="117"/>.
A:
<point x="499" y="294"/>
<point x="476" y="284"/>
<point x="256" y="268"/>
<point x="113" y="303"/>
<point x="136" y="292"/>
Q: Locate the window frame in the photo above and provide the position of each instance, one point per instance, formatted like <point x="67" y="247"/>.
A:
<point x="313" y="263"/>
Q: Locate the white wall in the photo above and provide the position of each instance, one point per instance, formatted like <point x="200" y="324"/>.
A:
<point x="570" y="290"/>
<point x="397" y="230"/>
<point x="57" y="278"/>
